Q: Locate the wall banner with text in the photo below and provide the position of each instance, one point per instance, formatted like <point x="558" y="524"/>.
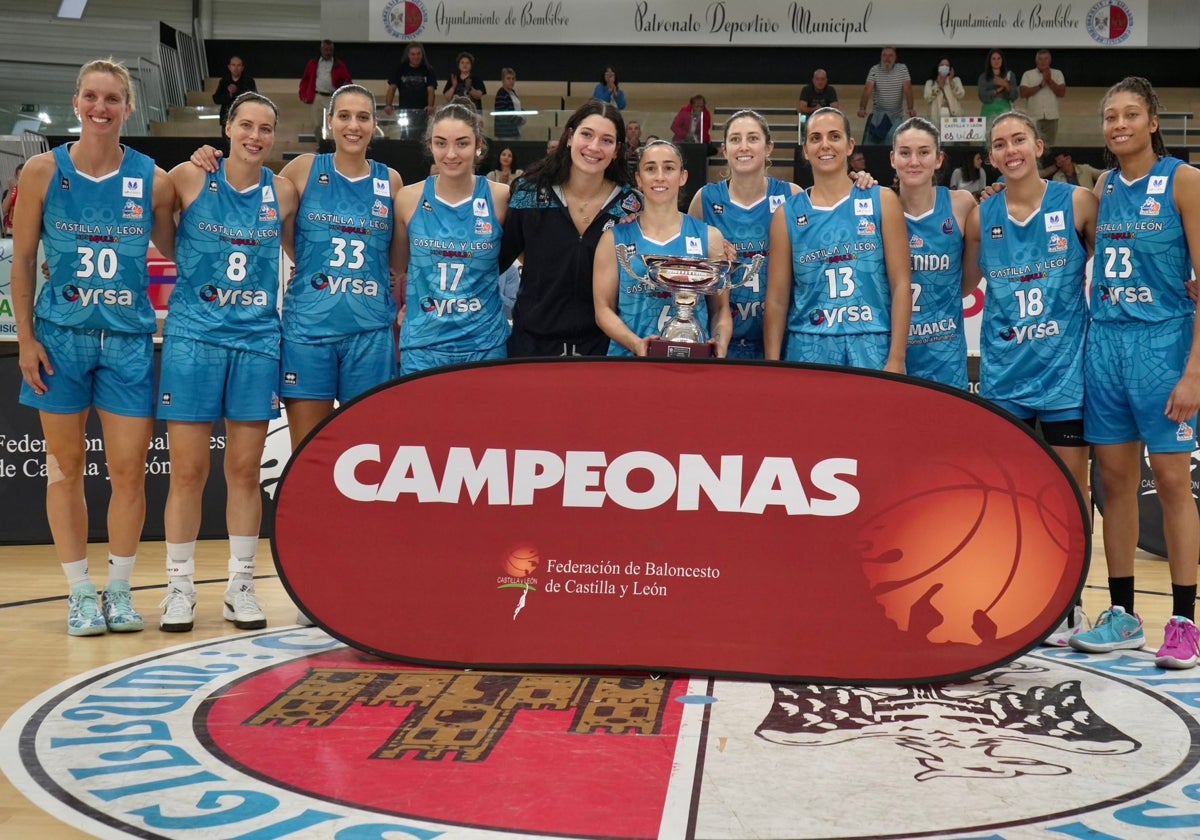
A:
<point x="776" y="23"/>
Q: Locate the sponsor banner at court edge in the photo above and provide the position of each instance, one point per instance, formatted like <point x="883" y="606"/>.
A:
<point x="916" y="23"/>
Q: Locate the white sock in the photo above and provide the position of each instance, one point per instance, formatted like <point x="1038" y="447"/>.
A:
<point x="76" y="572"/>
<point x="243" y="553"/>
<point x="181" y="566"/>
<point x="120" y="568"/>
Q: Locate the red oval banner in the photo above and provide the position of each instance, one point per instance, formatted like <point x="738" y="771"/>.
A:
<point x="783" y="521"/>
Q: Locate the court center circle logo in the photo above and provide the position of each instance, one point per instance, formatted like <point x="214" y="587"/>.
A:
<point x="288" y="733"/>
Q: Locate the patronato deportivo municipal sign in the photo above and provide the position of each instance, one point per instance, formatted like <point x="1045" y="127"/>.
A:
<point x="717" y="517"/>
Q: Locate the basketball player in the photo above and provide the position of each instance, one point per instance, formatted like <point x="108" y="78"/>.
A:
<point x="741" y="207"/>
<point x="937" y="347"/>
<point x="1032" y="242"/>
<point x="339" y="312"/>
<point x="839" y="279"/>
<point x="221" y="352"/>
<point x="95" y="205"/>
<point x="1142" y="365"/>
<point x="629" y="311"/>
<point x="453" y="311"/>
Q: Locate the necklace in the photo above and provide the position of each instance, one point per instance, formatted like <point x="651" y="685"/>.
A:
<point x="581" y="205"/>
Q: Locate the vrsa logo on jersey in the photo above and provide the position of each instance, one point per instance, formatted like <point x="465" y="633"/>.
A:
<point x="323" y="179"/>
<point x="692" y="243"/>
<point x="948" y="226"/>
<point x="382" y="187"/>
<point x="233" y="297"/>
<point x="346" y="285"/>
<point x="718" y="209"/>
<point x="438" y="307"/>
<point x="1055" y="220"/>
<point x="483" y="227"/>
<point x="866" y="227"/>
<point x="480" y="207"/>
<point x="997" y="232"/>
<point x="379" y="209"/>
<point x="1126" y="294"/>
<point x="97" y="297"/>
<point x="1057" y="244"/>
<point x="1030" y="332"/>
<point x="132" y="210"/>
<point x="1157" y="185"/>
<point x="131" y="188"/>
<point x="841" y="315"/>
<point x="1184" y="432"/>
<point x="1150" y="207"/>
<point x="915" y="241"/>
<point x="864" y="207"/>
<point x="774" y="202"/>
<point x="802" y="220"/>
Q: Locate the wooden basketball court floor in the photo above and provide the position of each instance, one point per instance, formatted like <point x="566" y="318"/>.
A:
<point x="37" y="654"/>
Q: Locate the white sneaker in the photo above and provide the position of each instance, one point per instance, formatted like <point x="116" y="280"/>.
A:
<point x="241" y="607"/>
<point x="178" y="611"/>
<point x="1074" y="624"/>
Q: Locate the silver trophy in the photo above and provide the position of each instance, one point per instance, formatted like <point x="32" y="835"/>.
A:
<point x="687" y="278"/>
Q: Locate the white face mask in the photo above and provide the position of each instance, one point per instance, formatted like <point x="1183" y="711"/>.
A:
<point x="943" y="70"/>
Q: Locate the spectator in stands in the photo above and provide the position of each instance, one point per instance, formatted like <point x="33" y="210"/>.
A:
<point x="412" y="86"/>
<point x="508" y="128"/>
<point x="463" y="82"/>
<point x="322" y="76"/>
<point x="1079" y="174"/>
<point x="1042" y="87"/>
<point x="230" y="86"/>
<point x="693" y="123"/>
<point x="971" y="176"/>
<point x="889" y="89"/>
<point x="633" y="144"/>
<point x="819" y="94"/>
<point x="506" y="171"/>
<point x="944" y="93"/>
<point x="998" y="88"/>
<point x="9" y="202"/>
<point x="858" y="164"/>
<point x="609" y="89"/>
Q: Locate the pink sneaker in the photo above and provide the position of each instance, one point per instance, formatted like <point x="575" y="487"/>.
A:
<point x="1181" y="646"/>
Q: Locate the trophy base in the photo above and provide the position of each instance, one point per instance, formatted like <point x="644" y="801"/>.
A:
<point x="657" y="348"/>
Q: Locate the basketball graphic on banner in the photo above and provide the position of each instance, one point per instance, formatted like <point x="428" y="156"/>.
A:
<point x="522" y="561"/>
<point x="963" y="558"/>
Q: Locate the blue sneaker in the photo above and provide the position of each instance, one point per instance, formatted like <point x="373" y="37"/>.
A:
<point x="1114" y="630"/>
<point x="116" y="602"/>
<point x="83" y="611"/>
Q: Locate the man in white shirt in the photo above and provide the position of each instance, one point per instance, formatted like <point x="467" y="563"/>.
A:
<point x="1042" y="87"/>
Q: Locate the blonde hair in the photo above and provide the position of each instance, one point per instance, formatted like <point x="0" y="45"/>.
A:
<point x="112" y="67"/>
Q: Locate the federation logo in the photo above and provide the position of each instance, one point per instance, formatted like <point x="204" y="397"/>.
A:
<point x="631" y="204"/>
<point x="379" y="209"/>
<point x="483" y="227"/>
<point x="132" y="210"/>
<point x="267" y="214"/>
<point x="1185" y="432"/>
<point x="866" y="227"/>
<point x="1150" y="207"/>
<point x="1109" y="22"/>
<point x="1057" y="244"/>
<point x="404" y="19"/>
<point x="915" y="241"/>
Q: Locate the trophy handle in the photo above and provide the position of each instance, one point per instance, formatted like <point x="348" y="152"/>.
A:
<point x="750" y="271"/>
<point x="623" y="259"/>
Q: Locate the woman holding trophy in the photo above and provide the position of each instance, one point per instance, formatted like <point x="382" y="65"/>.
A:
<point x="839" y="278"/>
<point x="741" y="207"/>
<point x="631" y="311"/>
